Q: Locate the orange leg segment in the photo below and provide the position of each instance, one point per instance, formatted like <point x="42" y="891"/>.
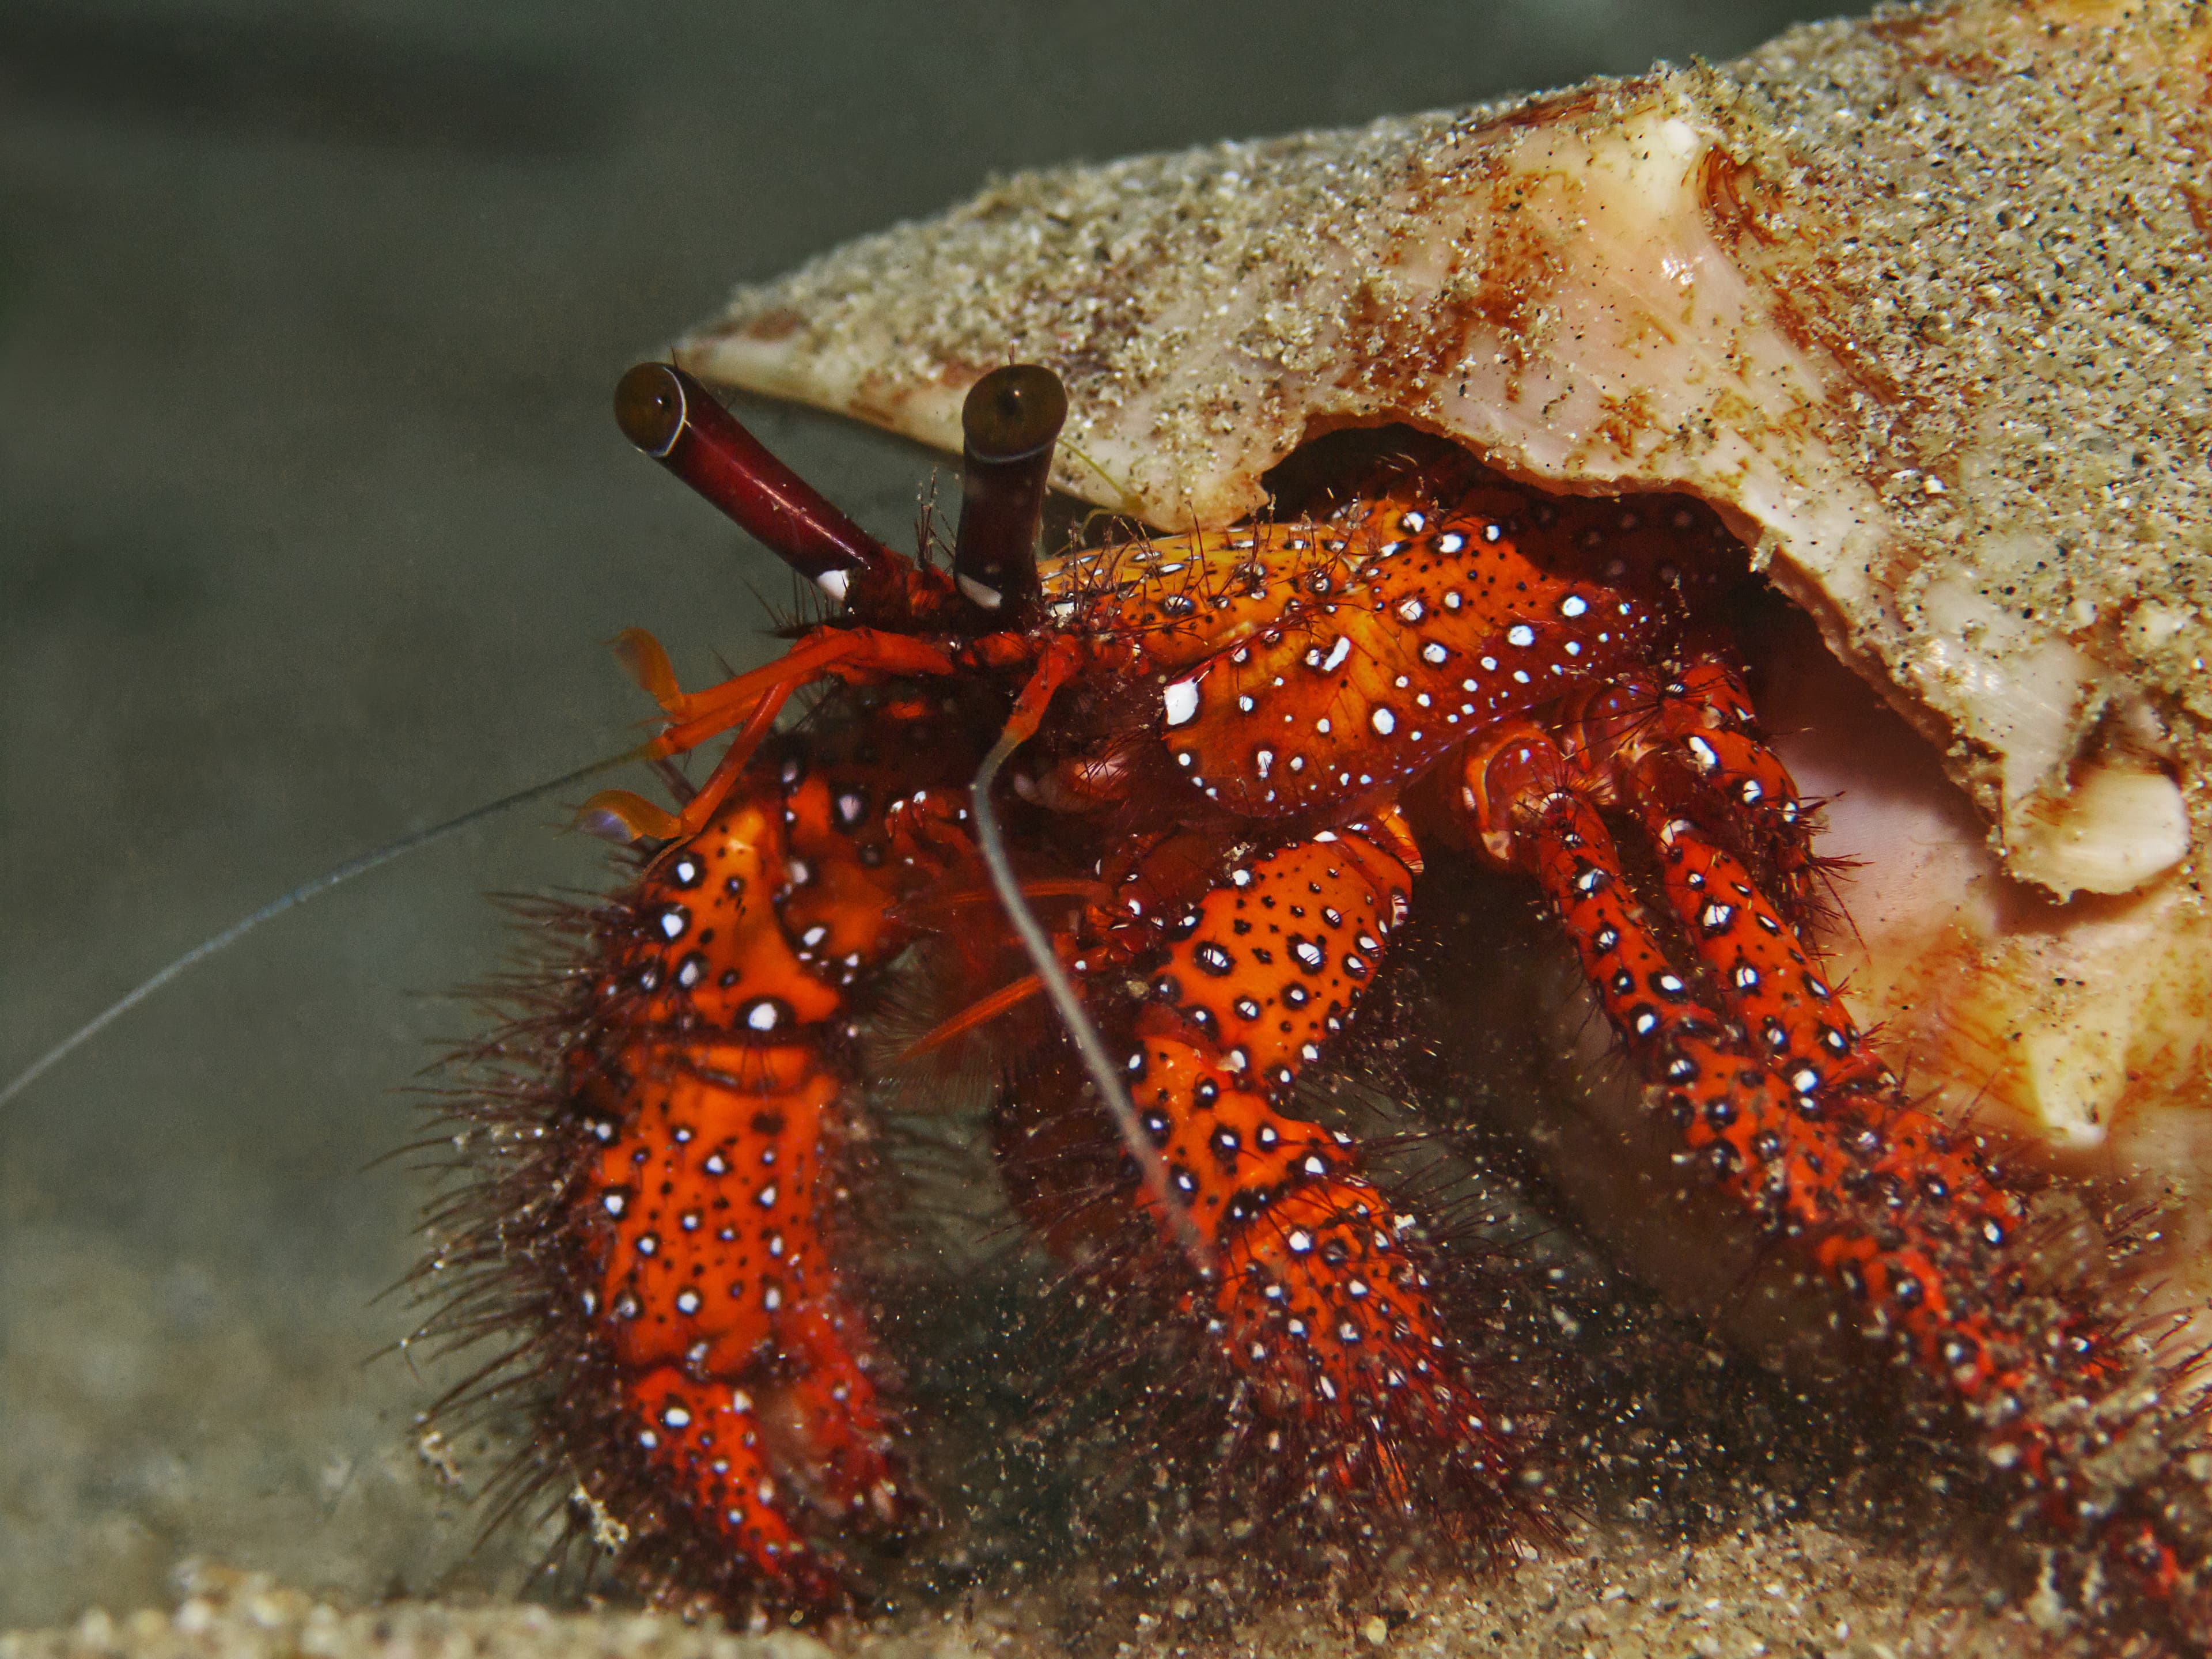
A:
<point x="1765" y="1072"/>
<point x="1769" y="1082"/>
<point x="746" y="1374"/>
<point x="1320" y="1298"/>
<point x="1691" y="744"/>
<point x="716" y="1292"/>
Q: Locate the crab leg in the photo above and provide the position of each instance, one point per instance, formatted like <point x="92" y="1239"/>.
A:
<point x="1691" y="744"/>
<point x="745" y="1374"/>
<point x="1938" y="1212"/>
<point x="1776" y="995"/>
<point x="1772" y="1086"/>
<point x="1320" y="1298"/>
<point x="719" y="1311"/>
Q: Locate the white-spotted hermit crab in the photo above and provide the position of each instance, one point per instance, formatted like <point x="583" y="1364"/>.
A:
<point x="1157" y="804"/>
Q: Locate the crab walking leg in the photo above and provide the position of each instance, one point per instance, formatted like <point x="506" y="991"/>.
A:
<point x="1930" y="1223"/>
<point x="746" y="1375"/>
<point x="1775" y="1090"/>
<point x="1692" y="743"/>
<point x="1527" y="803"/>
<point x="1320" y="1297"/>
<point x="1930" y="1186"/>
<point x="1770" y="983"/>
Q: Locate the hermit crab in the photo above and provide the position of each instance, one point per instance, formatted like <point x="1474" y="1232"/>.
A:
<point x="1156" y="803"/>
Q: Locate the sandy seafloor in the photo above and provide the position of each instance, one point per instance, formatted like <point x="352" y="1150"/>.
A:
<point x="315" y="527"/>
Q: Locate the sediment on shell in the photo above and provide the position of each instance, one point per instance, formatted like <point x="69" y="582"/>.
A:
<point x="1919" y="302"/>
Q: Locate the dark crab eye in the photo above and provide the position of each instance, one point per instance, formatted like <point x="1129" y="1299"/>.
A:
<point x="649" y="408"/>
<point x="1010" y="422"/>
<point x="1012" y="413"/>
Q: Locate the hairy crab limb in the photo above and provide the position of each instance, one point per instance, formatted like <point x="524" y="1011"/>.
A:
<point x="1318" y="1293"/>
<point x="1921" y="305"/>
<point x="1768" y="1082"/>
<point x="718" y="1357"/>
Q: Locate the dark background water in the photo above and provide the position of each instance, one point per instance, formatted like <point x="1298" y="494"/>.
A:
<point x="312" y="524"/>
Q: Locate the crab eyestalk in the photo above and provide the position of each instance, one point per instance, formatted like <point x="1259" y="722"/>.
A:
<point x="1009" y="424"/>
<point x="678" y="422"/>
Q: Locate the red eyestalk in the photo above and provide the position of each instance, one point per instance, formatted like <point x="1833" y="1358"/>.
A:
<point x="678" y="422"/>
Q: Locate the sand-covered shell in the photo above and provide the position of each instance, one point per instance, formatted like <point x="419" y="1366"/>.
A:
<point x="1920" y="303"/>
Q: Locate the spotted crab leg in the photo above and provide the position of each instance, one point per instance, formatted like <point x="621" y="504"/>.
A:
<point x="712" y="1075"/>
<point x="1320" y="1297"/>
<point x="1773" y="1088"/>
<point x="1691" y="744"/>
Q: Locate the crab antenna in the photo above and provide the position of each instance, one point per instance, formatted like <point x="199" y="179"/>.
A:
<point x="677" y="421"/>
<point x="1009" y="424"/>
<point x="1151" y="1168"/>
<point x="313" y="887"/>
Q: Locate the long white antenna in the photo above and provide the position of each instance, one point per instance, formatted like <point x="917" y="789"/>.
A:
<point x="1073" y="1015"/>
<point x="313" y="888"/>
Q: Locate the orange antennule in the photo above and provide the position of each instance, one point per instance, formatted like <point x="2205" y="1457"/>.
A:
<point x="754" y="699"/>
<point x="938" y="910"/>
<point x="648" y="664"/>
<point x="846" y="651"/>
<point x="1059" y="663"/>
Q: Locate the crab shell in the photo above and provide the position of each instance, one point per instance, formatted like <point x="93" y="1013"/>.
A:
<point x="1920" y="304"/>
